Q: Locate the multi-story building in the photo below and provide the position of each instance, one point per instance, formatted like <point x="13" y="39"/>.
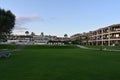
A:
<point x="19" y="39"/>
<point x="39" y="39"/>
<point x="109" y="35"/>
<point x="79" y="38"/>
<point x="35" y="39"/>
<point x="75" y="36"/>
<point x="29" y="39"/>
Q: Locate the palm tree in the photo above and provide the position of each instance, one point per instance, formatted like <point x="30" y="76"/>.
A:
<point x="26" y="32"/>
<point x="65" y="35"/>
<point x="32" y="34"/>
<point x="42" y="34"/>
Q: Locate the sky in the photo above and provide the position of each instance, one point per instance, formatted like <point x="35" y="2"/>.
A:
<point x="59" y="17"/>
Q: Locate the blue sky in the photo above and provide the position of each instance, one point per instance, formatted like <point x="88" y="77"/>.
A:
<point x="59" y="17"/>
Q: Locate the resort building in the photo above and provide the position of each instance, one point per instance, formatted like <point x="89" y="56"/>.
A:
<point x="80" y="38"/>
<point x="109" y="35"/>
<point x="35" y="39"/>
<point x="75" y="36"/>
<point x="40" y="39"/>
<point x="19" y="39"/>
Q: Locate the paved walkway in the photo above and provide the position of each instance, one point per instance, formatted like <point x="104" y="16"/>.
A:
<point x="6" y="53"/>
<point x="80" y="46"/>
<point x="83" y="47"/>
<point x="18" y="48"/>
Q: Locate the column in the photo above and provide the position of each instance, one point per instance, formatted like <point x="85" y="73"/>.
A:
<point x="102" y="36"/>
<point x="108" y="36"/>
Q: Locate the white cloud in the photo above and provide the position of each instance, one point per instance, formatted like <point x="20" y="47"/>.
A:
<point x="22" y="21"/>
<point x="61" y="17"/>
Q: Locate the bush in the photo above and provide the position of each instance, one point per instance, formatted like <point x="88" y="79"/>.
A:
<point x="51" y="47"/>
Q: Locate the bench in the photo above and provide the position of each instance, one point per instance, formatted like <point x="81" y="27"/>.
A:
<point x="5" y="54"/>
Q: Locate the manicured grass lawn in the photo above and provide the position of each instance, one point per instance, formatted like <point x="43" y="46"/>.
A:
<point x="60" y="64"/>
<point x="51" y="47"/>
<point x="7" y="46"/>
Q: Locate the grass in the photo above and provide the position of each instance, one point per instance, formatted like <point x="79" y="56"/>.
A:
<point x="51" y="47"/>
<point x="4" y="47"/>
<point x="35" y="63"/>
<point x="7" y="46"/>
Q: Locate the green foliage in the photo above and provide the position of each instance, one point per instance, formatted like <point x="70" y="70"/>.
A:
<point x="32" y="33"/>
<point x="65" y="35"/>
<point x="61" y="64"/>
<point x="7" y="22"/>
<point x="7" y="46"/>
<point x="26" y="32"/>
<point x="51" y="47"/>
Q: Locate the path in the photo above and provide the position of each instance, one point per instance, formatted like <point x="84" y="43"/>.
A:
<point x="6" y="53"/>
<point x="80" y="46"/>
<point x="83" y="47"/>
<point x="19" y="47"/>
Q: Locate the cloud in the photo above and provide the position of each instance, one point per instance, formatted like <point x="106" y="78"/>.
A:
<point x="20" y="28"/>
<point x="19" y="32"/>
<point x="61" y="17"/>
<point x="22" y="21"/>
<point x="29" y="18"/>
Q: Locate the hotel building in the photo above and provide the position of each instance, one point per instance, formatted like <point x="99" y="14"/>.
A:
<point x="36" y="39"/>
<point x="109" y="35"/>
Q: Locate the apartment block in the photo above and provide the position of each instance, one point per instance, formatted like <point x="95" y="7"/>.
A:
<point x="109" y="35"/>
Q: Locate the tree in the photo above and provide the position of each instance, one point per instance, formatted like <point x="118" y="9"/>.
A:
<point x="42" y="34"/>
<point x="65" y="35"/>
<point x="7" y="22"/>
<point x="26" y="32"/>
<point x="32" y="34"/>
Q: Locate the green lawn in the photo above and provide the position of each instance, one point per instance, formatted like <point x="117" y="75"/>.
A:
<point x="35" y="63"/>
<point x="7" y="46"/>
